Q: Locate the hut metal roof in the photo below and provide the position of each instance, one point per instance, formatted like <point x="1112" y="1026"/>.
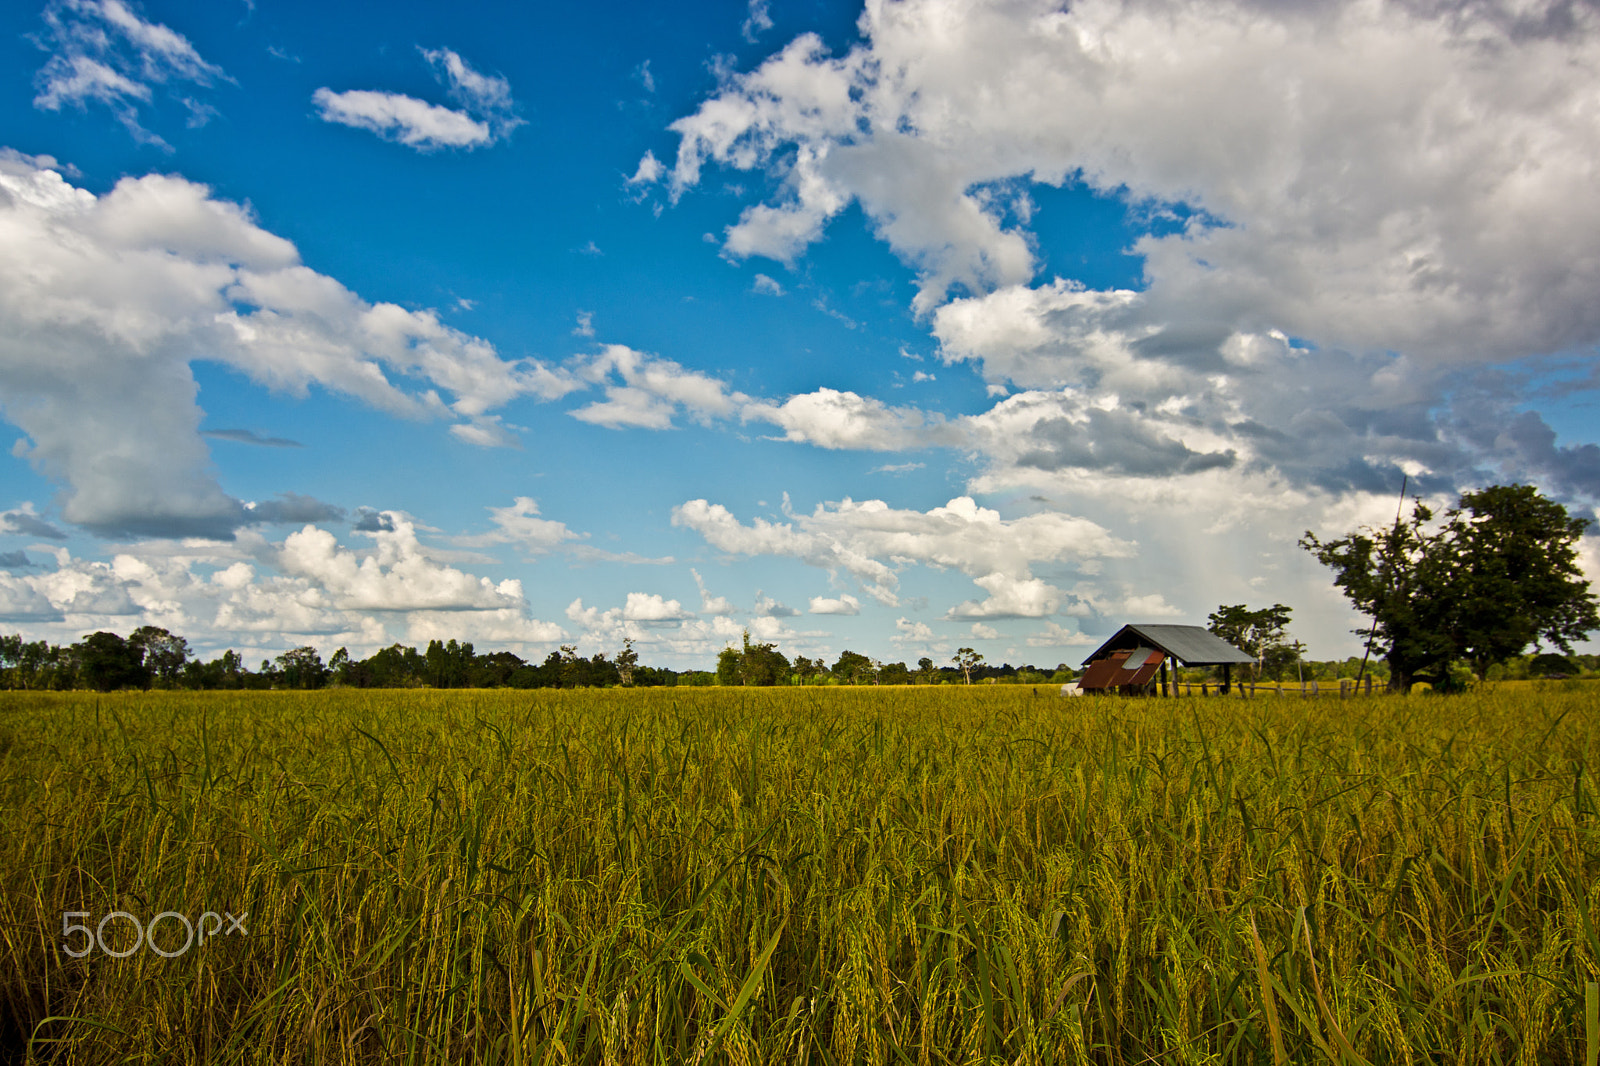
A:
<point x="1190" y="645"/>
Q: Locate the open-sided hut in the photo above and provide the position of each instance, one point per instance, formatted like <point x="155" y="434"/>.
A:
<point x="1135" y="659"/>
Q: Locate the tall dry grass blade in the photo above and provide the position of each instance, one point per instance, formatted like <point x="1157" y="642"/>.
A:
<point x="1322" y="1003"/>
<point x="1269" y="1003"/>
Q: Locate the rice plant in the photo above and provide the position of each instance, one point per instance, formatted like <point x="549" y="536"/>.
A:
<point x="814" y="875"/>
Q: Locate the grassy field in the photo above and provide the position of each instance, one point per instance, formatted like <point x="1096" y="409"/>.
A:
<point x="911" y="875"/>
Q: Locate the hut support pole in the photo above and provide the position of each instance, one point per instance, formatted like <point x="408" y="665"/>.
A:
<point x="1227" y="678"/>
<point x="1164" y="680"/>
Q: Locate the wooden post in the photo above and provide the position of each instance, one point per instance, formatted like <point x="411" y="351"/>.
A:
<point x="1227" y="678"/>
<point x="1164" y="680"/>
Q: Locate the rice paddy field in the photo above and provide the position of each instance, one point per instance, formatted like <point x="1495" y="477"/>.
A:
<point x="806" y="875"/>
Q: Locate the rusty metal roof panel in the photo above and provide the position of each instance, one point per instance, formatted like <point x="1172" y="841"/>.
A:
<point x="1135" y="666"/>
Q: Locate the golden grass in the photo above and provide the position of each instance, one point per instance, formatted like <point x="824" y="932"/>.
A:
<point x="931" y="875"/>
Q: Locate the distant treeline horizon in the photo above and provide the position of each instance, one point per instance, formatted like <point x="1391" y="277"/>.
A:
<point x="152" y="657"/>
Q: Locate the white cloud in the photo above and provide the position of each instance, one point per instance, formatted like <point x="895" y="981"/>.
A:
<point x="652" y="607"/>
<point x="709" y="604"/>
<point x="487" y="431"/>
<point x="262" y="597"/>
<point x="983" y="632"/>
<point x="1361" y="154"/>
<point x="829" y="418"/>
<point x="397" y="576"/>
<point x="1401" y="186"/>
<point x="764" y="284"/>
<point x="1055" y="635"/>
<point x="771" y="608"/>
<point x="649" y="171"/>
<point x="397" y="117"/>
<point x="1010" y="596"/>
<point x="845" y="604"/>
<point x="487" y="112"/>
<point x="909" y="634"/>
<point x="22" y="601"/>
<point x="106" y="300"/>
<point x="756" y="21"/>
<point x="585" y="326"/>
<point x="521" y="525"/>
<point x="871" y="541"/>
<point x="652" y="391"/>
<point x="102" y="51"/>
<point x="487" y="96"/>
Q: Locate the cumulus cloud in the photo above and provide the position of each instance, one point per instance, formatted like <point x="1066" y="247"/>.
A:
<point x="829" y="418"/>
<point x="103" y="52"/>
<point x="264" y="596"/>
<point x="22" y="601"/>
<point x="521" y="525"/>
<point x="106" y="300"/>
<point x="652" y="607"/>
<point x="983" y="632"/>
<point x="871" y="541"/>
<point x="1055" y="635"/>
<point x="1342" y="155"/>
<point x="646" y="392"/>
<point x="1399" y="187"/>
<point x="844" y="604"/>
<point x="911" y="634"/>
<point x="397" y="576"/>
<point x="651" y="620"/>
<point x="487" y="112"/>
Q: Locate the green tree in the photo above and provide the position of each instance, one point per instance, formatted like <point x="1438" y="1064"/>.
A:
<point x="853" y="667"/>
<point x="728" y="667"/>
<point x="106" y="663"/>
<point x="808" y="670"/>
<point x="1500" y="572"/>
<point x="627" y="661"/>
<point x="966" y="659"/>
<point x="300" y="668"/>
<point x="163" y="653"/>
<point x="339" y="667"/>
<point x="1262" y="633"/>
<point x="926" y="674"/>
<point x="762" y="664"/>
<point x="1513" y="566"/>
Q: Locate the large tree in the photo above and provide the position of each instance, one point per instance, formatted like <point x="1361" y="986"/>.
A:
<point x="1498" y="573"/>
<point x="1514" y="566"/>
<point x="106" y="662"/>
<point x="163" y="653"/>
<point x="1262" y="633"/>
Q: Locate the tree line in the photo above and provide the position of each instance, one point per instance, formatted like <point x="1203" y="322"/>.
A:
<point x="152" y="657"/>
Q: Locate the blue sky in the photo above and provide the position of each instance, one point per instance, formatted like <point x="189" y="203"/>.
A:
<point x="896" y="328"/>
